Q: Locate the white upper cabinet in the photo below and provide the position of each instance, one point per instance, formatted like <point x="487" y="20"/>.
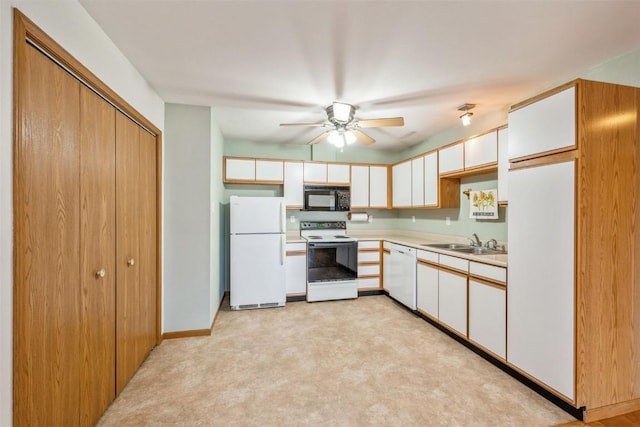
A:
<point x="338" y="173"/>
<point x="451" y="158"/>
<point x="417" y="182"/>
<point x="481" y="150"/>
<point x="269" y="170"/>
<point x="503" y="165"/>
<point x="239" y="169"/>
<point x="315" y="172"/>
<point x="543" y="127"/>
<point x="401" y="175"/>
<point x="378" y="182"/>
<point x="293" y="184"/>
<point x="359" y="186"/>
<point x="431" y="179"/>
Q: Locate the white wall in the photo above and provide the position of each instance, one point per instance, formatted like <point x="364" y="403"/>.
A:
<point x="218" y="222"/>
<point x="193" y="188"/>
<point x="68" y="23"/>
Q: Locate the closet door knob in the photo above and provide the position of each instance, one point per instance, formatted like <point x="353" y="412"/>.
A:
<point x="100" y="273"/>
<point x="131" y="262"/>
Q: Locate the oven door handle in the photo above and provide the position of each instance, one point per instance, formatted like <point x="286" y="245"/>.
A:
<point x="330" y="244"/>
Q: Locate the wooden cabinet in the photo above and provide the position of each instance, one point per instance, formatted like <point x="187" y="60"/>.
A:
<point x="503" y="165"/>
<point x="573" y="245"/>
<point x="427" y="283"/>
<point x="83" y="318"/>
<point x="326" y="173"/>
<point x="543" y="127"/>
<point x="253" y="171"/>
<point x="401" y="180"/>
<point x="368" y="186"/>
<point x="488" y="307"/>
<point x="296" y="269"/>
<point x="451" y="158"/>
<point x="369" y="268"/>
<point x="481" y="151"/>
<point x="293" y="185"/>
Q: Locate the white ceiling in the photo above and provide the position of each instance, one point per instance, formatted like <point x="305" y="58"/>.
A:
<point x="259" y="63"/>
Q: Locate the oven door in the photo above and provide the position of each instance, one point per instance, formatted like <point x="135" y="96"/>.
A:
<point x="332" y="261"/>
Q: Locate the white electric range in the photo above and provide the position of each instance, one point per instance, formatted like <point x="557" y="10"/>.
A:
<point x="332" y="261"/>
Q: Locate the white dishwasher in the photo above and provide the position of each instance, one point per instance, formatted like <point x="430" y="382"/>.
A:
<point x="402" y="274"/>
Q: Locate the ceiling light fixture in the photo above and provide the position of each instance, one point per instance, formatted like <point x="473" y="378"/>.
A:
<point x="466" y="117"/>
<point x="340" y="113"/>
<point x="341" y="137"/>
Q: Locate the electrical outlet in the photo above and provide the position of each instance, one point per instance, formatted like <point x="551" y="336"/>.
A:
<point x="447" y="220"/>
<point x="292" y="219"/>
<point x="370" y="218"/>
<point x="413" y="218"/>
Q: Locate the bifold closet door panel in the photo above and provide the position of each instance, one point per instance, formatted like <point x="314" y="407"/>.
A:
<point x="46" y="352"/>
<point x="129" y="351"/>
<point x="97" y="256"/>
<point x="148" y="239"/>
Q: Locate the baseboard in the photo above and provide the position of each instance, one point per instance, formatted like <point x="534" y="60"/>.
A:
<point x="197" y="332"/>
<point x="609" y="411"/>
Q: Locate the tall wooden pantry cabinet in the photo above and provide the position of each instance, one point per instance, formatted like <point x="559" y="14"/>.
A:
<point x="85" y="237"/>
<point x="574" y="247"/>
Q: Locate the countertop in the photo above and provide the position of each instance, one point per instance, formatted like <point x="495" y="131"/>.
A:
<point x="417" y="240"/>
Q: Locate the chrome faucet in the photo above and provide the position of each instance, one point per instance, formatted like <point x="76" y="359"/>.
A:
<point x="476" y="240"/>
<point x="491" y="244"/>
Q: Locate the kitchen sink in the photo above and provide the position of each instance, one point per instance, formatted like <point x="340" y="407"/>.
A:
<point x="474" y="250"/>
<point x="449" y="246"/>
<point x="466" y="249"/>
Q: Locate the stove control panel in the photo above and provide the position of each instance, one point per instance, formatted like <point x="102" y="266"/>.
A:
<point x="323" y="225"/>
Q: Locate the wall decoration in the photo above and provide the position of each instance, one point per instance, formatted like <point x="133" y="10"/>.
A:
<point x="483" y="204"/>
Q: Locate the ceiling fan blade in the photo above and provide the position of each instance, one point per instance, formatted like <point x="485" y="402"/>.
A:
<point x="374" y="123"/>
<point x="319" y="137"/>
<point x="314" y="125"/>
<point x="363" y="137"/>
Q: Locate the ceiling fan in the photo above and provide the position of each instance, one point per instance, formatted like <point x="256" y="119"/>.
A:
<point x="345" y="127"/>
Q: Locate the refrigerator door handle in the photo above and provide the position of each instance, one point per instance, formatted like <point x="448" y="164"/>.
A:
<point x="283" y="224"/>
<point x="283" y="239"/>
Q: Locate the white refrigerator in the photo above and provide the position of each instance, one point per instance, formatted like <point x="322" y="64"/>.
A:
<point x="257" y="252"/>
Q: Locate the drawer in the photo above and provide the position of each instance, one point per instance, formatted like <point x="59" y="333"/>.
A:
<point x="373" y="282"/>
<point x="455" y="263"/>
<point x="296" y="247"/>
<point x="368" y="256"/>
<point x="368" y="244"/>
<point x="491" y="272"/>
<point x="428" y="256"/>
<point x="369" y="270"/>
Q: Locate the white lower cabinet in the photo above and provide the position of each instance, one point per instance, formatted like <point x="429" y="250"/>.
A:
<point x="452" y="300"/>
<point x="488" y="316"/>
<point x="427" y="288"/>
<point x="386" y="265"/>
<point x="296" y="269"/>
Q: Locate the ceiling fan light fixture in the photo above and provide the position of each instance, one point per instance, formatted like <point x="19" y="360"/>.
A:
<point x="336" y="138"/>
<point x="342" y="113"/>
<point x="349" y="137"/>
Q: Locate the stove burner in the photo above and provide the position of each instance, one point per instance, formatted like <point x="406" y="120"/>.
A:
<point x="314" y="237"/>
<point x="341" y="237"/>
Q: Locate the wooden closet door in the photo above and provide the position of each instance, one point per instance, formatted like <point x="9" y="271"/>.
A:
<point x="129" y="352"/>
<point x="97" y="256"/>
<point x="148" y="239"/>
<point x="46" y="352"/>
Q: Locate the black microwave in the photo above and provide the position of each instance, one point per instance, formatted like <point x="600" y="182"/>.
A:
<point x="326" y="198"/>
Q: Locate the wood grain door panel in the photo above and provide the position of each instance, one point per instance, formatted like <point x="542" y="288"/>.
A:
<point x="128" y="316"/>
<point x="46" y="220"/>
<point x="97" y="253"/>
<point x="148" y="239"/>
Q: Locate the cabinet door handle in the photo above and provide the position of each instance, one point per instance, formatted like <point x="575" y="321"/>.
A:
<point x="131" y="262"/>
<point x="100" y="273"/>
